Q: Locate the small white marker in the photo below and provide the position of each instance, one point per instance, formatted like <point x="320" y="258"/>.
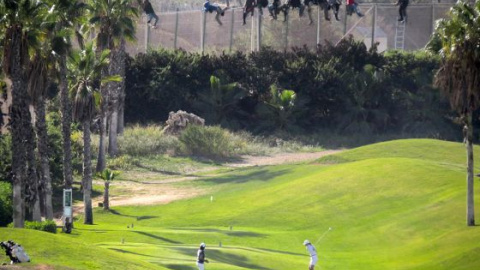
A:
<point x="211" y="198"/>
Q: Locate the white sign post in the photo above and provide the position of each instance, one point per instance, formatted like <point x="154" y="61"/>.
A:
<point x="67" y="210"/>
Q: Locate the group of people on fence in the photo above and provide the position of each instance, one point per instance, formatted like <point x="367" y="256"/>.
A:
<point x="276" y="7"/>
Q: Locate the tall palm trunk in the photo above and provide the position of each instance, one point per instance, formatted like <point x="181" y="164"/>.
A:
<point x="117" y="67"/>
<point x="42" y="145"/>
<point x="104" y="91"/>
<point x="469" y="145"/>
<point x="87" y="173"/>
<point x="66" y="123"/>
<point x="32" y="185"/>
<point x="20" y="120"/>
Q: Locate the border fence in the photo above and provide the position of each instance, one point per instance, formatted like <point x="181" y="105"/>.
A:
<point x="194" y="30"/>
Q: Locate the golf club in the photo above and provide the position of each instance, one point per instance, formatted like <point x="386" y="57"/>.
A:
<point x="323" y="235"/>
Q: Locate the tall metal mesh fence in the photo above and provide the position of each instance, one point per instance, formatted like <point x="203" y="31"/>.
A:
<point x="194" y="30"/>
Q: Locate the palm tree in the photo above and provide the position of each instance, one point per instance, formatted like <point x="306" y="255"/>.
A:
<point x="279" y="110"/>
<point x="107" y="176"/>
<point x="37" y="85"/>
<point x="221" y="101"/>
<point x="20" y="27"/>
<point x="457" y="39"/>
<point x="84" y="70"/>
<point x="67" y="15"/>
<point x="114" y="21"/>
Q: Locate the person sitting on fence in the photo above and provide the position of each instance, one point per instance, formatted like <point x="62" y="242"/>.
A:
<point x="248" y="8"/>
<point x="335" y="5"/>
<point x="309" y="4"/>
<point x="147" y="7"/>
<point x="261" y="4"/>
<point x="276" y="7"/>
<point x="402" y="10"/>
<point x="208" y="7"/>
<point x="351" y="7"/>
<point x="296" y="4"/>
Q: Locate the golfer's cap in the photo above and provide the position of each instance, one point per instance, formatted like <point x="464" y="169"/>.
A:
<point x="202" y="245"/>
<point x="306" y="242"/>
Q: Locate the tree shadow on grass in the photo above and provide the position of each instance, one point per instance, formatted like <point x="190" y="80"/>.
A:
<point x="158" y="237"/>
<point x="227" y="232"/>
<point x="261" y="175"/>
<point x="130" y="252"/>
<point x="138" y="218"/>
<point x="178" y="267"/>
<point x="223" y="257"/>
<point x="283" y="252"/>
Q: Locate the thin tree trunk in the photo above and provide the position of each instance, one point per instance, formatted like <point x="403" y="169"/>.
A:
<point x="42" y="145"/>
<point x="20" y="119"/>
<point x="112" y="136"/>
<point x="101" y="160"/>
<point x="121" y="90"/>
<point x="469" y="142"/>
<point x="66" y="123"/>
<point x="121" y="115"/>
<point x="106" y="205"/>
<point x="87" y="173"/>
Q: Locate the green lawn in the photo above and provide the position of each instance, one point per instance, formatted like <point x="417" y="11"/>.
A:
<point x="392" y="205"/>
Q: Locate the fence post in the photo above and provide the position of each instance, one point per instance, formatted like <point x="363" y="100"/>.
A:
<point x="252" y="35"/>
<point x="318" y="25"/>
<point x="176" y="31"/>
<point x="204" y="25"/>
<point x="286" y="33"/>
<point x="232" y="22"/>
<point x="433" y="16"/>
<point x="374" y="17"/>
<point x="147" y="36"/>
<point x="259" y="31"/>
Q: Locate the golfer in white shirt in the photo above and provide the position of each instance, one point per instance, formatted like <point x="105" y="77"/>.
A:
<point x="313" y="254"/>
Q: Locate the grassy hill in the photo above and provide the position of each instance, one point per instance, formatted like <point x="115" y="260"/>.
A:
<point x="392" y="205"/>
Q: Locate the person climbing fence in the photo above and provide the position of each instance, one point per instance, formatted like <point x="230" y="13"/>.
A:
<point x="248" y="8"/>
<point x="402" y="10"/>
<point x="148" y="9"/>
<point x="276" y="7"/>
<point x="335" y="6"/>
<point x="351" y="7"/>
<point x="210" y="8"/>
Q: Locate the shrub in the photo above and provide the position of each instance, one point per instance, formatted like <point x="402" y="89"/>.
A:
<point x="5" y="203"/>
<point x="209" y="141"/>
<point x="46" y="226"/>
<point x="146" y="140"/>
<point x="124" y="162"/>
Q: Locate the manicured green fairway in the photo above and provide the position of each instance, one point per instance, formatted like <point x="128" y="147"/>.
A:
<point x="392" y="205"/>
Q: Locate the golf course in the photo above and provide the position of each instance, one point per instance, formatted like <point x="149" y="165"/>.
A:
<point x="392" y="205"/>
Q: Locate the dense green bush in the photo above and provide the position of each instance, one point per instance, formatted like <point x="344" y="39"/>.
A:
<point x="46" y="226"/>
<point x="5" y="204"/>
<point x="343" y="88"/>
<point x="209" y="141"/>
<point x="146" y="140"/>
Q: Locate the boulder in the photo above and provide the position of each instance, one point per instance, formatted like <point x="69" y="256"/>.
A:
<point x="178" y="121"/>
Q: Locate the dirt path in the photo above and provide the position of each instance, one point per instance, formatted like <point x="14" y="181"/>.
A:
<point x="151" y="192"/>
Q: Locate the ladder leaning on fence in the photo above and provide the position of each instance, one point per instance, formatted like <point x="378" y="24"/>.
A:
<point x="400" y="35"/>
